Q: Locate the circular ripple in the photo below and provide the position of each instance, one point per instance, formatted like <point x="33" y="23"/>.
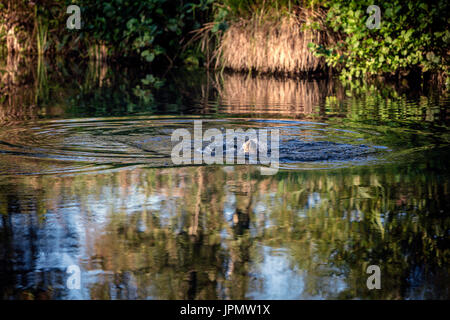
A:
<point x="69" y="146"/>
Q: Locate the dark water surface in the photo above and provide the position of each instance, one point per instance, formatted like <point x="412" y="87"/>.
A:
<point x="86" y="179"/>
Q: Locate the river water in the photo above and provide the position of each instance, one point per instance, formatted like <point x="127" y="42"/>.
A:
<point x="87" y="184"/>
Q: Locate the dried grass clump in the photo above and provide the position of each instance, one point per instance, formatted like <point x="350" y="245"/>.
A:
<point x="274" y="45"/>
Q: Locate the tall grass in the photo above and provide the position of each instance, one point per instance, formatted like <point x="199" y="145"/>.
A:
<point x="41" y="27"/>
<point x="274" y="43"/>
<point x="98" y="52"/>
<point x="38" y="29"/>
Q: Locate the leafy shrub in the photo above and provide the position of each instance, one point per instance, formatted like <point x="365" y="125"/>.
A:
<point x="146" y="29"/>
<point x="413" y="35"/>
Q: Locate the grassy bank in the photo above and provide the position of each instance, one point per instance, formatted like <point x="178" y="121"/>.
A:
<point x="273" y="45"/>
<point x="148" y="30"/>
<point x="284" y="36"/>
<point x="309" y="36"/>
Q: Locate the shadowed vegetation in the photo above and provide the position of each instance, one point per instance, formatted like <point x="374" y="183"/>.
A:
<point x="290" y="37"/>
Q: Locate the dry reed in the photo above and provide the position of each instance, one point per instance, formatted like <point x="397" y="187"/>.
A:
<point x="274" y="45"/>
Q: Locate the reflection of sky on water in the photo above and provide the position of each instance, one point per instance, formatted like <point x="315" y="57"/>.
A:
<point x="45" y="246"/>
<point x="98" y="225"/>
<point x="274" y="278"/>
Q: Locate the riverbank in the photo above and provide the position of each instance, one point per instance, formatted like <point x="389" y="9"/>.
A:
<point x="277" y="46"/>
<point x="410" y="40"/>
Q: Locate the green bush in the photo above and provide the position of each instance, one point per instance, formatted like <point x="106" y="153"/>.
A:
<point x="413" y="35"/>
<point x="146" y="29"/>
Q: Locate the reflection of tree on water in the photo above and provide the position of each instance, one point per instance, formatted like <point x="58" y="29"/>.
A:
<point x="53" y="88"/>
<point x="179" y="257"/>
<point x="198" y="232"/>
<point x="240" y="240"/>
<point x="31" y="265"/>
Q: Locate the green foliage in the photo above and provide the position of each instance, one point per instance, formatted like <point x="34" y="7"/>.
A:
<point x="139" y="29"/>
<point x="412" y="35"/>
<point x="146" y="29"/>
<point x="245" y="8"/>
